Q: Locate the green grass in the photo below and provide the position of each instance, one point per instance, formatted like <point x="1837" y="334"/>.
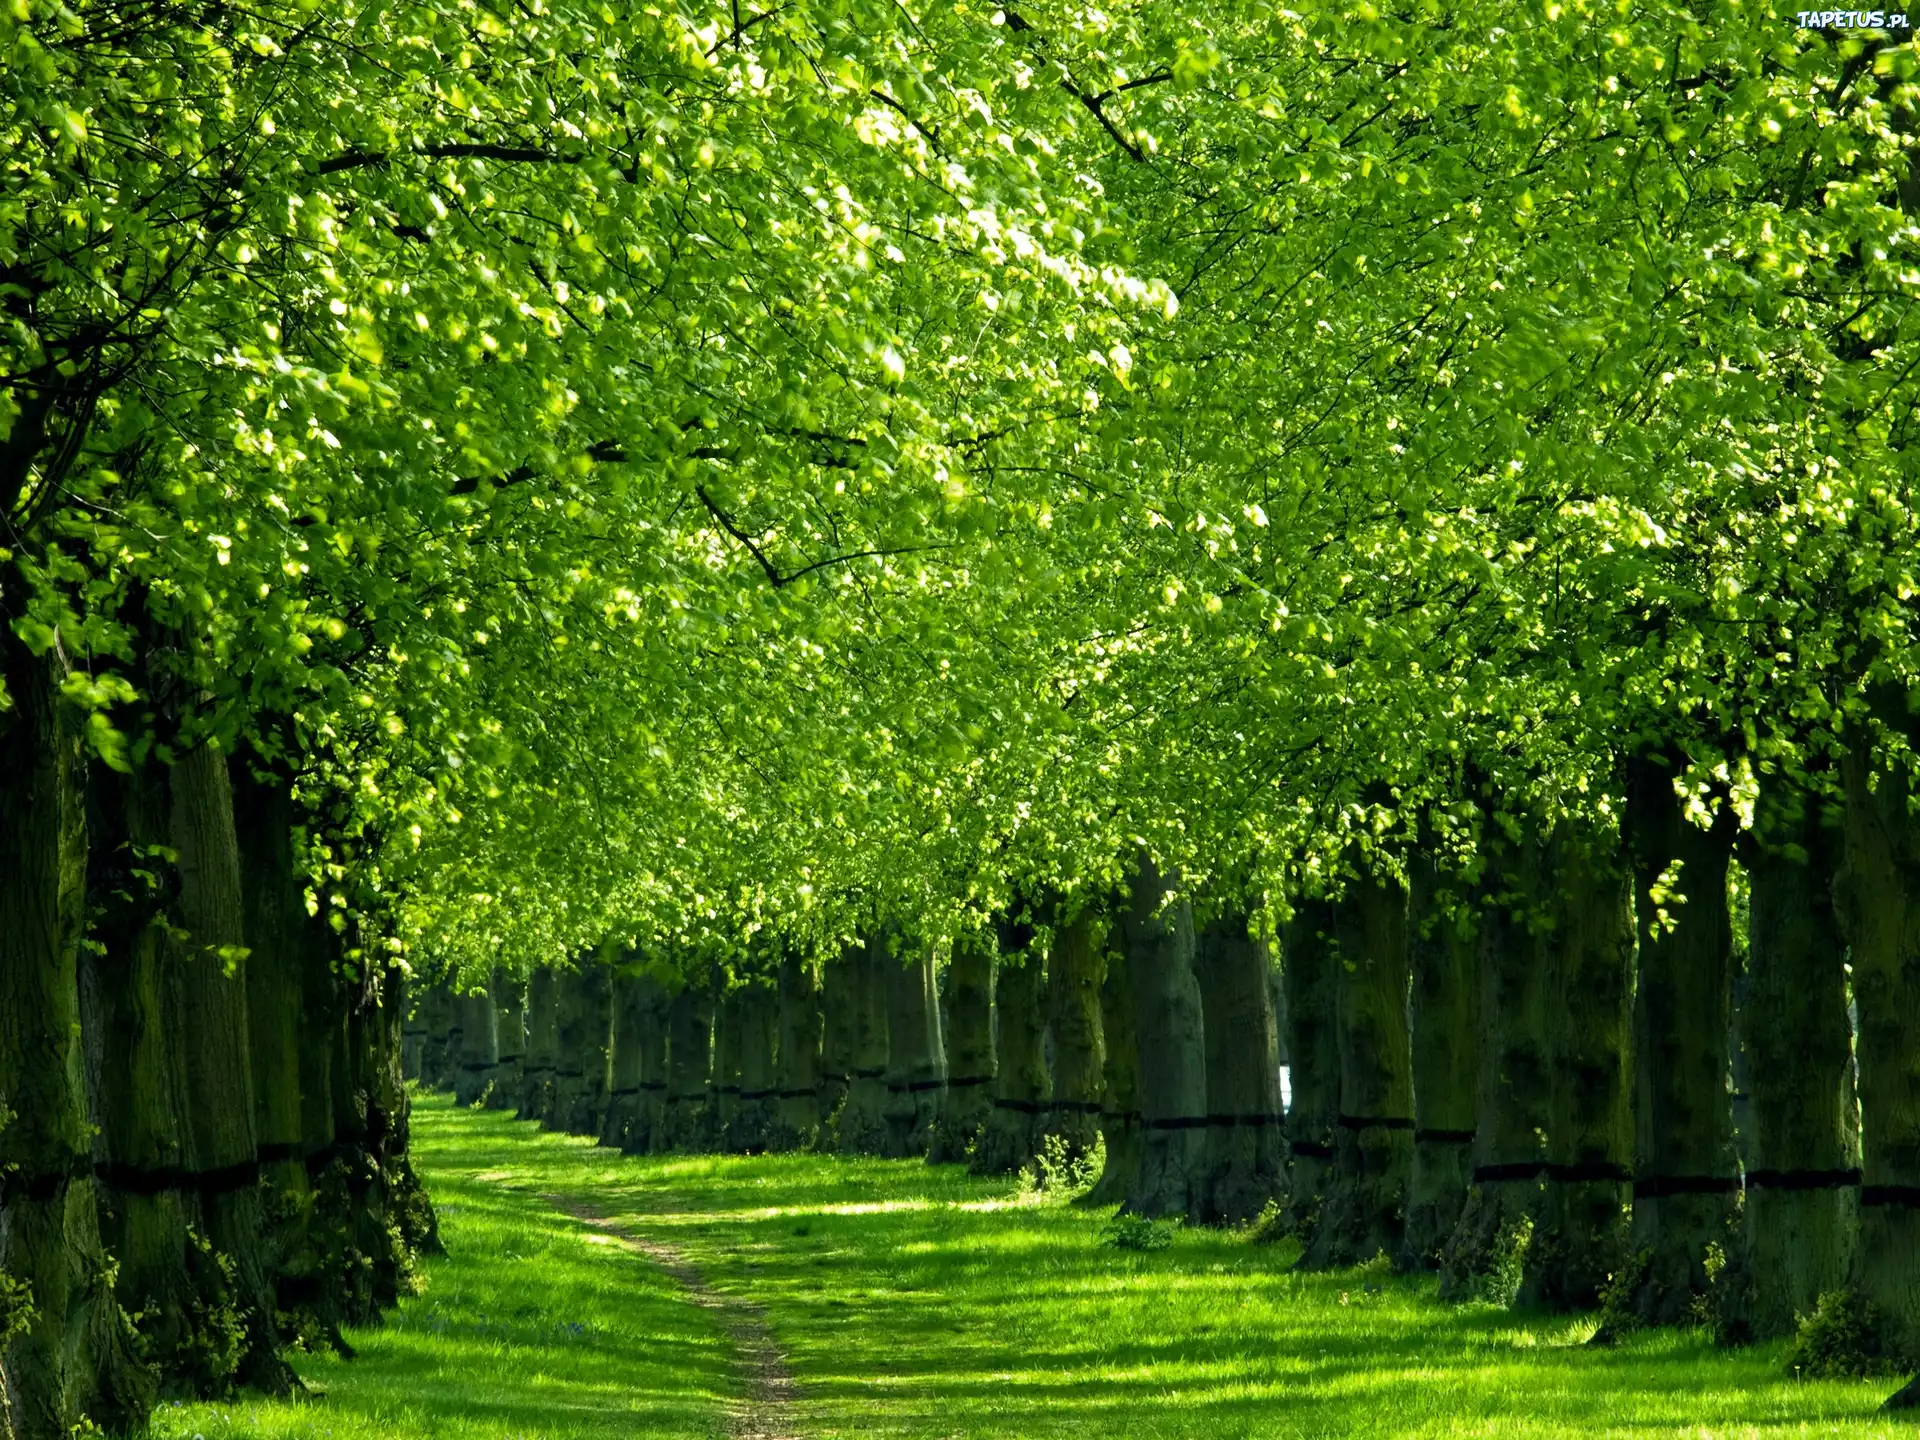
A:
<point x="917" y="1302"/>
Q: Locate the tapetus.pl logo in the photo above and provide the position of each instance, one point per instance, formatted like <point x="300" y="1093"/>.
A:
<point x="1850" y="20"/>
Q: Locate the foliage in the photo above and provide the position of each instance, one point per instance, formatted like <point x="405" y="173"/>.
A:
<point x="1841" y="1336"/>
<point x="1137" y="1232"/>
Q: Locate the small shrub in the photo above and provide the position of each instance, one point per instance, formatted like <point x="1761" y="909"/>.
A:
<point x="1064" y="1171"/>
<point x="1499" y="1283"/>
<point x="1136" y="1232"/>
<point x="1841" y="1338"/>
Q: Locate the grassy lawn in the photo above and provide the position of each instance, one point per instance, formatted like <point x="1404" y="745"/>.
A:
<point x="914" y="1301"/>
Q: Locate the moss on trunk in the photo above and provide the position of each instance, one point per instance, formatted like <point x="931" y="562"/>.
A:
<point x="862" y="1127"/>
<point x="840" y="1026"/>
<point x="584" y="1033"/>
<point x="543" y="1044"/>
<point x="759" y="1089"/>
<point x="916" y="1058"/>
<point x="1171" y="1037"/>
<point x="508" y="993"/>
<point x="689" y="1057"/>
<point x="1011" y="1137"/>
<point x="796" y="1122"/>
<point x="968" y="1099"/>
<point x="1120" y="1080"/>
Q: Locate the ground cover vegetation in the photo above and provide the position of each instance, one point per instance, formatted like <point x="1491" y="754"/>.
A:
<point x="920" y="1300"/>
<point x="952" y="580"/>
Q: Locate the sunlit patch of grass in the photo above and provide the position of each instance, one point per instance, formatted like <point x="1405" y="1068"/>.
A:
<point x="533" y="1327"/>
<point x="917" y="1302"/>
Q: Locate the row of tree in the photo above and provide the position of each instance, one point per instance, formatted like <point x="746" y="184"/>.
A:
<point x="1501" y="1076"/>
<point x="712" y="476"/>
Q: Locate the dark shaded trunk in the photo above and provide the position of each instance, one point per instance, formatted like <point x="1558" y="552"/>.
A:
<point x="1244" y="1166"/>
<point x="624" y="1126"/>
<point x="1441" y="953"/>
<point x="478" y="1070"/>
<point x="840" y="1027"/>
<point x="1362" y="1213"/>
<point x="1579" y="1237"/>
<point x="689" y="1058"/>
<point x="280" y="935"/>
<point x="1012" y="1135"/>
<point x="1074" y="971"/>
<point x="1170" y="1035"/>
<point x="1803" y="1172"/>
<point x="862" y="1128"/>
<point x="71" y="1358"/>
<point x="1120" y="1116"/>
<point x="796" y="1123"/>
<point x="508" y="993"/>
<point x="584" y="1034"/>
<point x="1685" y="1175"/>
<point x="1308" y="965"/>
<point x="723" y="1082"/>
<point x="1515" y="1076"/>
<point x="440" y="1059"/>
<point x="1878" y="899"/>
<point x="916" y="1058"/>
<point x="543" y="1044"/>
<point x="970" y="1081"/>
<point x="759" y="1090"/>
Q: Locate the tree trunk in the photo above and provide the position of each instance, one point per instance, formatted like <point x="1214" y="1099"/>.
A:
<point x="508" y="993"/>
<point x="723" y="1084"/>
<point x="916" y="1059"/>
<point x="279" y="935"/>
<point x="1441" y="955"/>
<point x="625" y="1101"/>
<point x="1363" y="1212"/>
<point x="1515" y="1075"/>
<point x="543" y="1044"/>
<point x="1308" y="965"/>
<point x="1579" y="1236"/>
<point x="759" y="1090"/>
<point x="689" y="1058"/>
<point x="479" y="1065"/>
<point x="1171" y="1037"/>
<point x="441" y="1065"/>
<point x="1685" y="1178"/>
<point x="840" y="1027"/>
<point x="585" y="1031"/>
<point x="1803" y="1176"/>
<point x="1074" y="972"/>
<point x="1878" y="891"/>
<point x="863" y="1122"/>
<point x="968" y="1100"/>
<point x="1014" y="1125"/>
<point x="797" y="1118"/>
<point x="1243" y="1165"/>
<point x="71" y="1358"/>
<point x="1120" y="1118"/>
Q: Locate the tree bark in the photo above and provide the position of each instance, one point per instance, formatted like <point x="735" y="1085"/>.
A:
<point x="1515" y="1067"/>
<point x="1685" y="1176"/>
<point x="625" y="1100"/>
<point x="723" y="1084"/>
<point x="1074" y="972"/>
<point x="440" y="1058"/>
<point x="478" y="1069"/>
<point x="916" y="1056"/>
<point x="1014" y="1125"/>
<point x="1579" y="1236"/>
<point x="840" y="1027"/>
<point x="1171" y="1036"/>
<point x="863" y="1119"/>
<point x="72" y="1358"/>
<point x="968" y="1101"/>
<point x="1308" y="964"/>
<point x="1445" y="1039"/>
<point x="1803" y="1175"/>
<point x="1243" y="1165"/>
<point x="508" y="993"/>
<point x="797" y="1118"/>
<point x="689" y="1057"/>
<point x="1878" y="891"/>
<point x="584" y="1033"/>
<point x="543" y="1044"/>
<point x="1120" y="1118"/>
<point x="1362" y="1213"/>
<point x="759" y="1088"/>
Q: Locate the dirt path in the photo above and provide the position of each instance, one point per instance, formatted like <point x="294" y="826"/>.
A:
<point x="766" y="1412"/>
